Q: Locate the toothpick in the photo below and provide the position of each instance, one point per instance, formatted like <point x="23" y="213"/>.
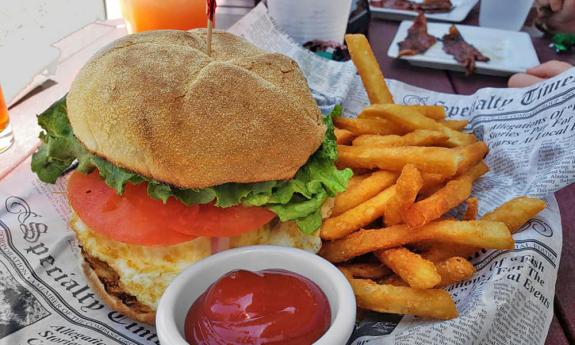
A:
<point x="210" y="11"/>
<point x="210" y="26"/>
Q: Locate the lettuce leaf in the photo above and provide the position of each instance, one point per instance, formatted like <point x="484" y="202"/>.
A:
<point x="298" y="199"/>
<point x="60" y="148"/>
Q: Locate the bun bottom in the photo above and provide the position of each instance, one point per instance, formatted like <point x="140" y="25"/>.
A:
<point x="135" y="311"/>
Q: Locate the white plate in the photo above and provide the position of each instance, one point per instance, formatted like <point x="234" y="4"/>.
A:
<point x="509" y="51"/>
<point x="461" y="9"/>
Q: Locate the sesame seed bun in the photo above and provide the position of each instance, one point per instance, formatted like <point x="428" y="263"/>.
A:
<point x="155" y="103"/>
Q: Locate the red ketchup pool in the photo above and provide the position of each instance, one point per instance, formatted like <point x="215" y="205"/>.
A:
<point x="276" y="307"/>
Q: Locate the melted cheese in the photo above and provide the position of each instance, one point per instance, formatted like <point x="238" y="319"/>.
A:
<point x="146" y="271"/>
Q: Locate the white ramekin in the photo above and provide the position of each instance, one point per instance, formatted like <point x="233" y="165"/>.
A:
<point x="192" y="282"/>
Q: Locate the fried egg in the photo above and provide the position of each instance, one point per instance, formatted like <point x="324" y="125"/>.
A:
<point x="146" y="271"/>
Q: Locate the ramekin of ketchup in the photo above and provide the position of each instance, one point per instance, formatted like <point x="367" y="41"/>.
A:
<point x="258" y="295"/>
<point x="265" y="307"/>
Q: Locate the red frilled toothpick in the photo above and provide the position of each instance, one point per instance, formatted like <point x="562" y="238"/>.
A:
<point x="210" y="11"/>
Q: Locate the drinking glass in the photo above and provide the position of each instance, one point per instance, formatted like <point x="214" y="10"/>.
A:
<point x="144" y="15"/>
<point x="504" y="14"/>
<point x="305" y="20"/>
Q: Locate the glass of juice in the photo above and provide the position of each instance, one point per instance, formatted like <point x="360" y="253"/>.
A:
<point x="144" y="15"/>
<point x="6" y="135"/>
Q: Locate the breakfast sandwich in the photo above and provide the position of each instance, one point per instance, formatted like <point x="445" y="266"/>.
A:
<point x="175" y="155"/>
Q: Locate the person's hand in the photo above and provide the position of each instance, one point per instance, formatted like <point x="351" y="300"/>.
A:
<point x="538" y="73"/>
<point x="555" y="5"/>
<point x="557" y="15"/>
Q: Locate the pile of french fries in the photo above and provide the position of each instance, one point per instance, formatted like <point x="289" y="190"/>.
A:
<point x="389" y="233"/>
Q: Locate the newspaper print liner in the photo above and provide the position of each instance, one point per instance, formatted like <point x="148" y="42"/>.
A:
<point x="530" y="133"/>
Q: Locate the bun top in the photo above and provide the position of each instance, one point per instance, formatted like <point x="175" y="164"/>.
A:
<point x="155" y="103"/>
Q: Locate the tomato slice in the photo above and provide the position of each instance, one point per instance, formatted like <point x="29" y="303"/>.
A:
<point x="136" y="218"/>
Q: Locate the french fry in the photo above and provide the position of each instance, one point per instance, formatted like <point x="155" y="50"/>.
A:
<point x="406" y="188"/>
<point x="454" y="270"/>
<point x="363" y="191"/>
<point x="420" y="137"/>
<point x="436" y="112"/>
<point x="454" y="193"/>
<point x="430" y="179"/>
<point x="472" y="154"/>
<point x="343" y="136"/>
<point x="457" y="125"/>
<point x="434" y="303"/>
<point x="431" y="182"/>
<point x="394" y="280"/>
<point x="366" y="270"/>
<point x="472" y="206"/>
<point x="413" y="120"/>
<point x="476" y="171"/>
<point x="437" y="252"/>
<point x="438" y="160"/>
<point x="439" y="203"/>
<point x="412" y="268"/>
<point x="357" y="217"/>
<point x="478" y="233"/>
<point x="356" y="179"/>
<point x="438" y="164"/>
<point x="513" y="214"/>
<point x="368" y="69"/>
<point x="369" y="126"/>
<point x="516" y="212"/>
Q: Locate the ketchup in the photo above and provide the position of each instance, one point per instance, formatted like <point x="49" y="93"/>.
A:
<point x="276" y="307"/>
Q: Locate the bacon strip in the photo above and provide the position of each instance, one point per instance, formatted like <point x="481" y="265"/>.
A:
<point x="463" y="52"/>
<point x="428" y="6"/>
<point x="417" y="40"/>
<point x="435" y="6"/>
<point x="395" y="4"/>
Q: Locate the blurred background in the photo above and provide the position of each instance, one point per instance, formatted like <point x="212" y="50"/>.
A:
<point x="30" y="30"/>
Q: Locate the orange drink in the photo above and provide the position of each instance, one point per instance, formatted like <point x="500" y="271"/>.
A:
<point x="144" y="15"/>
<point x="6" y="136"/>
<point x="4" y="120"/>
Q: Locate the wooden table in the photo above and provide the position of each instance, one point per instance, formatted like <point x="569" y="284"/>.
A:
<point x="381" y="34"/>
<point x="78" y="47"/>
